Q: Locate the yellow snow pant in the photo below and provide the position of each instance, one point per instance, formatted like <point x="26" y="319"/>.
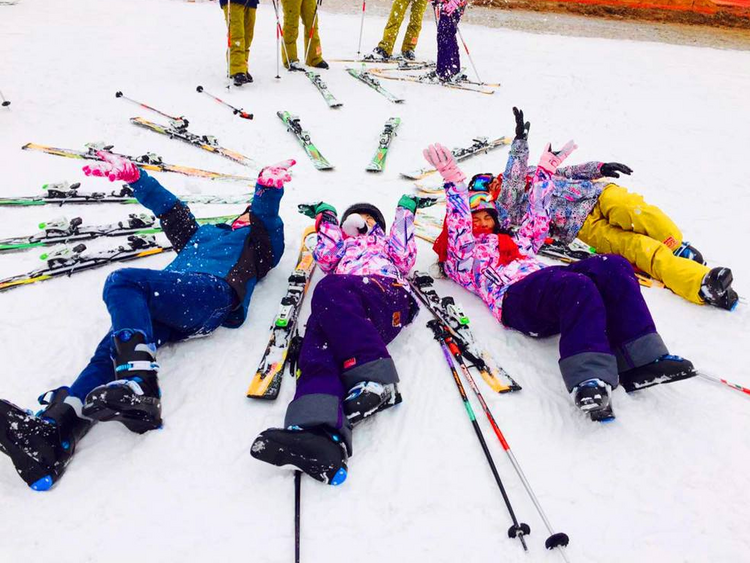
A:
<point x="241" y="22"/>
<point x="398" y="11"/>
<point x="622" y="223"/>
<point x="293" y="11"/>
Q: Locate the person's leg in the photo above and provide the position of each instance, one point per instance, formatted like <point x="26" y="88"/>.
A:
<point x="311" y="14"/>
<point x="448" y="59"/>
<point x="291" y="9"/>
<point x="234" y="15"/>
<point x="557" y="300"/>
<point x="415" y="25"/>
<point x="390" y="33"/>
<point x="681" y="275"/>
<point x="249" y="32"/>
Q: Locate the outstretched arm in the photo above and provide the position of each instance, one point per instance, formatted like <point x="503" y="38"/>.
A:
<point x="329" y="249"/>
<point x="401" y="244"/>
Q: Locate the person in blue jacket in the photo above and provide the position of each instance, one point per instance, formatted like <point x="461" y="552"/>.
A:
<point x="208" y="284"/>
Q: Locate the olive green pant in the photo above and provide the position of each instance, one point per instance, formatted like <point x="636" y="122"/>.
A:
<point x="241" y="22"/>
<point x="398" y="11"/>
<point x="294" y="10"/>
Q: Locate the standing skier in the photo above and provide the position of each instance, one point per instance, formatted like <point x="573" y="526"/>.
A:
<point x="346" y="372"/>
<point x="384" y="50"/>
<point x="607" y="335"/>
<point x="612" y="220"/>
<point x="240" y="18"/>
<point x="307" y="11"/>
<point x="448" y="14"/>
<point x="209" y="284"/>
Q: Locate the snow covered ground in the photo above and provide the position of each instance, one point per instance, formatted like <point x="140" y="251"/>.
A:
<point x="666" y="482"/>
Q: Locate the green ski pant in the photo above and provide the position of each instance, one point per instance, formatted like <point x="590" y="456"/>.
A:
<point x="241" y="22"/>
<point x="294" y="10"/>
<point x="398" y="11"/>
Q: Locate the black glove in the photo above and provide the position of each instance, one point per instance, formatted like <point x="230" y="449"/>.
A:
<point x="522" y="129"/>
<point x="611" y="169"/>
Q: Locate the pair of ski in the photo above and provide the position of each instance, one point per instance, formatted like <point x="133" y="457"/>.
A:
<point x="431" y="77"/>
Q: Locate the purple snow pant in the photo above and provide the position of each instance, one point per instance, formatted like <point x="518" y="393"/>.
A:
<point x="448" y="58"/>
<point x="352" y="320"/>
<point x="597" y="308"/>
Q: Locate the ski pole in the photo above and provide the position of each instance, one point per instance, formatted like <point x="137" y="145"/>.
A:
<point x="237" y="111"/>
<point x="466" y="48"/>
<point x="178" y="122"/>
<point x="5" y="103"/>
<point x="724" y="382"/>
<point x="516" y="530"/>
<point x="312" y="28"/>
<point x="229" y="44"/>
<point x="555" y="539"/>
<point x="297" y="511"/>
<point x="361" y="29"/>
<point x="280" y="34"/>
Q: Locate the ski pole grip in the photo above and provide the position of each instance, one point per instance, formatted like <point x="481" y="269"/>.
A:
<point x="244" y="114"/>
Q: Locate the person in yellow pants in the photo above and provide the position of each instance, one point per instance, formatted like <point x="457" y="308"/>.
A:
<point x="240" y="18"/>
<point x="384" y="50"/>
<point x="307" y="11"/>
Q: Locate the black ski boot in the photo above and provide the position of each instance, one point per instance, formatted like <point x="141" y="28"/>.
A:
<point x="248" y="78"/>
<point x="666" y="369"/>
<point x="716" y="289"/>
<point x="379" y="54"/>
<point x="133" y="400"/>
<point x="592" y="397"/>
<point x="367" y="398"/>
<point x="685" y="250"/>
<point x="318" y="452"/>
<point x="409" y="55"/>
<point x="41" y="446"/>
<point x="322" y="65"/>
<point x="239" y="79"/>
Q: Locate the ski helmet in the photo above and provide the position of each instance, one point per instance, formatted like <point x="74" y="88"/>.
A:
<point x="482" y="201"/>
<point x="368" y="208"/>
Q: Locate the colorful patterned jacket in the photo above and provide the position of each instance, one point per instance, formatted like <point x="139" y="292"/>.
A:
<point x="367" y="255"/>
<point x="574" y="194"/>
<point x="473" y="262"/>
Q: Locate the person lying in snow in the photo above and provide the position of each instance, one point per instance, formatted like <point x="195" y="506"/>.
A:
<point x="209" y="284"/>
<point x="607" y="335"/>
<point x="346" y="372"/>
<point x="612" y="220"/>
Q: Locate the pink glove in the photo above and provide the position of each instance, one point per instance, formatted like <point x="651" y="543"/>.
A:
<point x="550" y="160"/>
<point x="451" y="6"/>
<point x="444" y="162"/>
<point x="114" y="168"/>
<point x="275" y="175"/>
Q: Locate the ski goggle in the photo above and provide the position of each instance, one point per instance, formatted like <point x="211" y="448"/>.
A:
<point x="479" y="201"/>
<point x="481" y="182"/>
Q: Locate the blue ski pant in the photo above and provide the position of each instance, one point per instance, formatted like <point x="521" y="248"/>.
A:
<point x="166" y="306"/>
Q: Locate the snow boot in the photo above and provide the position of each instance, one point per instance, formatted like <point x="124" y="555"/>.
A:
<point x="295" y="66"/>
<point x="134" y="399"/>
<point x="379" y="54"/>
<point x="318" y="452"/>
<point x="685" y="250"/>
<point x="716" y="289"/>
<point x="593" y="397"/>
<point x="322" y="65"/>
<point x="239" y="79"/>
<point x="666" y="369"/>
<point x="369" y="397"/>
<point x="41" y="446"/>
<point x="409" y="55"/>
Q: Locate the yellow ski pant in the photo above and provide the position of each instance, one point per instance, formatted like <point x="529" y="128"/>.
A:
<point x="294" y="10"/>
<point x="241" y="22"/>
<point x="398" y="11"/>
<point x="622" y="223"/>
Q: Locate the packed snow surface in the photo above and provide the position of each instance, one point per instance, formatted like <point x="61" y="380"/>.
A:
<point x="667" y="481"/>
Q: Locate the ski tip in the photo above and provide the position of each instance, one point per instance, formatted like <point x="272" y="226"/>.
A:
<point x="339" y="478"/>
<point x="43" y="484"/>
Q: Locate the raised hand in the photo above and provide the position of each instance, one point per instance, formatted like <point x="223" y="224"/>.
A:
<point x="611" y="169"/>
<point x="275" y="175"/>
<point x="522" y="129"/>
<point x="550" y="159"/>
<point x="312" y="210"/>
<point x="114" y="168"/>
<point x="414" y="202"/>
<point x="444" y="162"/>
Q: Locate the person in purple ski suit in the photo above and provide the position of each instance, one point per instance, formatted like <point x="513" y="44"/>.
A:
<point x="448" y="57"/>
<point x="346" y="372"/>
<point x="607" y="335"/>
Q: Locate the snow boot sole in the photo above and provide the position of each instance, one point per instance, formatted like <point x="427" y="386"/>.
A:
<point x="143" y="413"/>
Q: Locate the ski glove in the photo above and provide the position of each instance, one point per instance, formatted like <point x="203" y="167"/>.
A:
<point x="445" y="163"/>
<point x="114" y="168"/>
<point x="611" y="169"/>
<point x="275" y="175"/>
<point x="522" y="129"/>
<point x="414" y="202"/>
<point x="550" y="159"/>
<point x="312" y="210"/>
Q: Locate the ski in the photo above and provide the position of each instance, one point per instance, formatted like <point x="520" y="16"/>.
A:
<point x="64" y="193"/>
<point x="64" y="231"/>
<point x="323" y="89"/>
<point x="147" y="161"/>
<point x="450" y="314"/>
<point x="66" y="260"/>
<point x="479" y="145"/>
<point x="377" y="164"/>
<point x="205" y="142"/>
<point x="293" y="124"/>
<point x="367" y="78"/>
<point x="267" y="379"/>
<point x="431" y="78"/>
<point x="372" y="59"/>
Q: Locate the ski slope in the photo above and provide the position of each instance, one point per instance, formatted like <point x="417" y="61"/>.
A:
<point x="666" y="482"/>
